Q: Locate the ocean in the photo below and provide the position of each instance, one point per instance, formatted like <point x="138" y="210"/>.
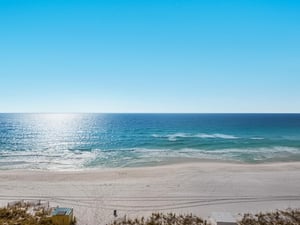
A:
<point x="87" y="141"/>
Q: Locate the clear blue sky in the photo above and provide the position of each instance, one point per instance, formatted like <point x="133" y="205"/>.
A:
<point x="149" y="56"/>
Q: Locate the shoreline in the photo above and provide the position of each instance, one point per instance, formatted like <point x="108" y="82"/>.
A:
<point x="195" y="187"/>
<point x="169" y="163"/>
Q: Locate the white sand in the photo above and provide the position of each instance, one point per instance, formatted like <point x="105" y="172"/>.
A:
<point x="198" y="188"/>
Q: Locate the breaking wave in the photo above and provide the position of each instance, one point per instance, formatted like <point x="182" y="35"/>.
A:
<point x="174" y="137"/>
<point x="145" y="156"/>
<point x="132" y="157"/>
<point x="47" y="159"/>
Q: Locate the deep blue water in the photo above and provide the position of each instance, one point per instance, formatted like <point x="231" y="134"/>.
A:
<point x="76" y="141"/>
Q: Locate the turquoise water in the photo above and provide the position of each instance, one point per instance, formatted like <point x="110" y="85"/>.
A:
<point x="77" y="141"/>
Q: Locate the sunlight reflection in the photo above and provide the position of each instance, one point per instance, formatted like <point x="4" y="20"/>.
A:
<point x="58" y="121"/>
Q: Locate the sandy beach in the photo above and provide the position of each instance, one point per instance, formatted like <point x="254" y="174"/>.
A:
<point x="199" y="188"/>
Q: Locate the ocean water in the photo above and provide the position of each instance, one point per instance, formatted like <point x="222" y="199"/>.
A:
<point x="79" y="141"/>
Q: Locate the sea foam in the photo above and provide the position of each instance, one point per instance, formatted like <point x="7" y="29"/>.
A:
<point x="175" y="136"/>
<point x="79" y="141"/>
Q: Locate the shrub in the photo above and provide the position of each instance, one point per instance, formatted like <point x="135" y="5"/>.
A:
<point x="162" y="219"/>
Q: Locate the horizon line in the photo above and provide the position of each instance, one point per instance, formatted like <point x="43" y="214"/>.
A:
<point x="149" y="112"/>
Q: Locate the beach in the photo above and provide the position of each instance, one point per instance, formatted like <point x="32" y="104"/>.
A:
<point x="113" y="111"/>
<point x="192" y="187"/>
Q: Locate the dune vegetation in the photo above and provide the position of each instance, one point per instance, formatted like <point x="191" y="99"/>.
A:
<point x="18" y="215"/>
<point x="279" y="217"/>
<point x="162" y="219"/>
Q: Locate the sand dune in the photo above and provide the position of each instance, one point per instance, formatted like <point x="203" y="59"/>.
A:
<point x="198" y="188"/>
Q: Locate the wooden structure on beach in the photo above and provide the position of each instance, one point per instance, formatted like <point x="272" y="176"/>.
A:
<point x="62" y="216"/>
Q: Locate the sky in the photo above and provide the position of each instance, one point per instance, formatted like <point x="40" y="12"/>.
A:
<point x="201" y="56"/>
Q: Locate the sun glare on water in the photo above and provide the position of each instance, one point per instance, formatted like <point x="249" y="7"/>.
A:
<point x="58" y="121"/>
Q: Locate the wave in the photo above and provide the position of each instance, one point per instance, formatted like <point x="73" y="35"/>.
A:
<point x="276" y="153"/>
<point x="134" y="157"/>
<point x="274" y="149"/>
<point x="46" y="159"/>
<point x="174" y="137"/>
<point x="257" y="138"/>
<point x="222" y="136"/>
<point x="144" y="156"/>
